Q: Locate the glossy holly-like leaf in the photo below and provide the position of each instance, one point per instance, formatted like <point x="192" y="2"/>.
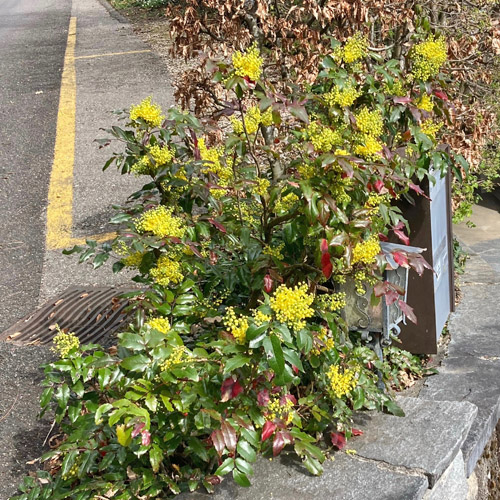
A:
<point x="218" y="225"/>
<point x="218" y="441"/>
<point x="268" y="430"/>
<point x="402" y="236"/>
<point x="226" y="467"/>
<point x="401" y="259"/>
<point x="245" y="449"/>
<point x="229" y="435"/>
<point x="241" y="478"/>
<point x="326" y="265"/>
<point x="278" y="443"/>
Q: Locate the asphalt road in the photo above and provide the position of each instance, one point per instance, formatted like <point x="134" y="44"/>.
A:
<point x="32" y="44"/>
<point x="113" y="69"/>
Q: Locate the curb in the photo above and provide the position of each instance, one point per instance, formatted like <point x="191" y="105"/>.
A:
<point x="114" y="13"/>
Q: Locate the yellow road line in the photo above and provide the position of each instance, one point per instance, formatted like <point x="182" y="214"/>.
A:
<point x="93" y="56"/>
<point x="60" y="197"/>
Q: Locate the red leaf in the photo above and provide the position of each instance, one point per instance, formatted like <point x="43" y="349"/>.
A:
<point x="237" y="389"/>
<point x="379" y="185"/>
<point x="442" y="95"/>
<point x="418" y="190"/>
<point x="278" y="443"/>
<point x="382" y="237"/>
<point x="268" y="283"/>
<point x="218" y="441"/>
<point x="138" y="429"/>
<point x="227" y="389"/>
<point x="401" y="100"/>
<point x="263" y="397"/>
<point x="326" y="265"/>
<point x="391" y="296"/>
<point x="338" y="439"/>
<point x="381" y="288"/>
<point x="146" y="438"/>
<point x="295" y="369"/>
<point x="289" y="397"/>
<point x="218" y="225"/>
<point x="402" y="236"/>
<point x="407" y="311"/>
<point x="356" y="432"/>
<point x="401" y="259"/>
<point x="213" y="258"/>
<point x="229" y="435"/>
<point x="418" y="263"/>
<point x="407" y="135"/>
<point x="323" y="245"/>
<point x="193" y="249"/>
<point x="268" y="430"/>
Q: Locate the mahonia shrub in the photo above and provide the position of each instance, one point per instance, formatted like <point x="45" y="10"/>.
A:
<point x="242" y="238"/>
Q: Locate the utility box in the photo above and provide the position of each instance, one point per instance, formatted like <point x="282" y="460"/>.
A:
<point x="431" y="295"/>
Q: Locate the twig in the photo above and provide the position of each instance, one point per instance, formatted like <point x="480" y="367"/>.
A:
<point x="10" y="409"/>
<point x="48" y="434"/>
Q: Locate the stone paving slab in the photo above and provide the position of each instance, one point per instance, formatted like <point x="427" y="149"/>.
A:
<point x="477" y="381"/>
<point x="345" y="478"/>
<point x="427" y="439"/>
<point x="452" y="485"/>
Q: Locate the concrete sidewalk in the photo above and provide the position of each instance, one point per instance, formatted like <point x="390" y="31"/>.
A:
<point x="114" y="70"/>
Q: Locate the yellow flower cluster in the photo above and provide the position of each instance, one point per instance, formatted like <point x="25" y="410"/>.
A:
<point x="322" y="342"/>
<point x="147" y="111"/>
<point x="282" y="411"/>
<point x="72" y="473"/>
<point x="248" y="63"/>
<point x="274" y="251"/>
<point x="212" y="163"/>
<point x="286" y="203"/>
<point x="161" y="223"/>
<point x="343" y="97"/>
<point x="261" y="187"/>
<point x="266" y="118"/>
<point x="292" y="305"/>
<point x="398" y="88"/>
<point x="260" y="318"/>
<point x="252" y="118"/>
<point x="370" y="148"/>
<point x="177" y="357"/>
<point x="360" y="278"/>
<point x="306" y="171"/>
<point x="428" y="57"/>
<point x="366" y="251"/>
<point x="374" y="201"/>
<point x="370" y="123"/>
<point x="355" y="48"/>
<point x="160" y="324"/>
<point x="425" y="103"/>
<point x="237" y="326"/>
<point x="166" y="271"/>
<point x="133" y="260"/>
<point x="323" y="138"/>
<point x="430" y="128"/>
<point x="161" y="154"/>
<point x="142" y="167"/>
<point x="341" y="383"/>
<point x="332" y="302"/>
<point x="64" y="342"/>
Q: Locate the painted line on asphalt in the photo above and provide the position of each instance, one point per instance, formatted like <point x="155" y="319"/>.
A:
<point x="60" y="196"/>
<point x="93" y="56"/>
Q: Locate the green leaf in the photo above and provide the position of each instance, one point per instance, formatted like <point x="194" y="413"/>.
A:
<point x="299" y="112"/>
<point x="151" y="402"/>
<point x="131" y="341"/>
<point x="393" y="408"/>
<point x="277" y="359"/>
<point x="313" y="466"/>
<point x="198" y="448"/>
<point x="241" y="478"/>
<point x="87" y="461"/>
<point x="136" y="363"/>
<point x="236" y="362"/>
<point x="304" y="341"/>
<point x="46" y="396"/>
<point x="189" y="372"/>
<point x="124" y="435"/>
<point x="101" y="411"/>
<point x="244" y="466"/>
<point x="246" y="450"/>
<point x="155" y="457"/>
<point x="68" y="462"/>
<point x="226" y="467"/>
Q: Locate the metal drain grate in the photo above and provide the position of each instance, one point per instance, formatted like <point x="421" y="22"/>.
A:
<point x="92" y="313"/>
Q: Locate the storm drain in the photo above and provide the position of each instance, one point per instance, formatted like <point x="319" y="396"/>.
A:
<point x="94" y="314"/>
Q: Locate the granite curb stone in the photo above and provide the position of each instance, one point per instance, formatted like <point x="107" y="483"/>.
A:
<point x="346" y="478"/>
<point x="452" y="484"/>
<point x="427" y="439"/>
